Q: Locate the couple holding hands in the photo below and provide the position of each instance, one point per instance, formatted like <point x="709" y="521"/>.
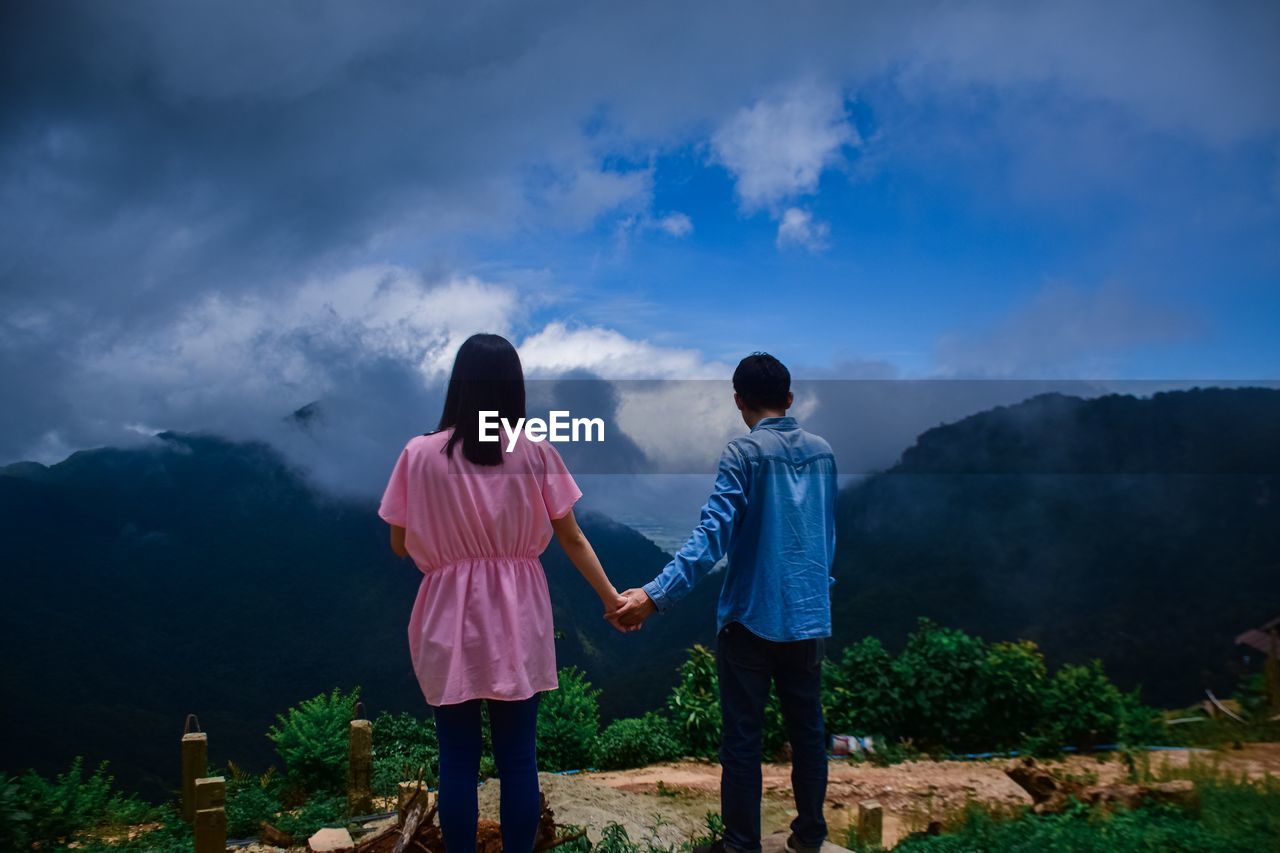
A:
<point x="475" y="519"/>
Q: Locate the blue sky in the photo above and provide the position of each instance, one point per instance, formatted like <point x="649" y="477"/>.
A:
<point x="216" y="214"/>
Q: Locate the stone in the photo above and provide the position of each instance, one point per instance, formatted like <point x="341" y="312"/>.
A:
<point x="405" y="796"/>
<point x="330" y="840"/>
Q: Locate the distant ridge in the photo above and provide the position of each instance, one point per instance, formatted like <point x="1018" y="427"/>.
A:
<point x="1145" y="532"/>
<point x="197" y="573"/>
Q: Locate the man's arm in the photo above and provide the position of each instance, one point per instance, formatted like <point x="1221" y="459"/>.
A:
<point x="705" y="547"/>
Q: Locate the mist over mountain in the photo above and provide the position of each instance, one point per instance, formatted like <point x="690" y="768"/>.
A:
<point x="200" y="574"/>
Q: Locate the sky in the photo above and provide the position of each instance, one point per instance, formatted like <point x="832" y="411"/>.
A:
<point x="213" y="214"/>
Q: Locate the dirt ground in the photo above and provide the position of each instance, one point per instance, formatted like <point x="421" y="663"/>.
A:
<point x="667" y="803"/>
<point x="911" y="793"/>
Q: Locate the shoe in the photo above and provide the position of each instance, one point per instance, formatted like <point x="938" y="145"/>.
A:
<point x="794" y="846"/>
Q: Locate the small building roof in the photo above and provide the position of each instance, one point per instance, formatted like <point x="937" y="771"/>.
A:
<point x="1260" y="638"/>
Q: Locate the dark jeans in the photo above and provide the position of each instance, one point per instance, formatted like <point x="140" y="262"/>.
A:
<point x="746" y="664"/>
<point x="514" y="729"/>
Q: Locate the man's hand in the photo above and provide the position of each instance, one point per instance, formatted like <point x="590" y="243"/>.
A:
<point x="612" y="604"/>
<point x="631" y="615"/>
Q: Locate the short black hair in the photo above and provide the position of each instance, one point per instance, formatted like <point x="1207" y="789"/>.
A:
<point x="762" y="382"/>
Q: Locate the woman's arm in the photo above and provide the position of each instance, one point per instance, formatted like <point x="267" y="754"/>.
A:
<point x="397" y="541"/>
<point x="583" y="556"/>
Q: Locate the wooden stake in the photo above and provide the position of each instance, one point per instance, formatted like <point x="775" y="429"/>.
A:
<point x="360" y="767"/>
<point x="211" y="815"/>
<point x="870" y="824"/>
<point x="195" y="760"/>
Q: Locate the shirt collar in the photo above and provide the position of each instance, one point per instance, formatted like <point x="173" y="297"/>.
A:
<point x="784" y="422"/>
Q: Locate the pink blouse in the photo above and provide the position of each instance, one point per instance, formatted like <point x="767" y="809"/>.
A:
<point x="481" y="624"/>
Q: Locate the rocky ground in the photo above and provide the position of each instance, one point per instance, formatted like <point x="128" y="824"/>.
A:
<point x="667" y="803"/>
<point x="912" y="793"/>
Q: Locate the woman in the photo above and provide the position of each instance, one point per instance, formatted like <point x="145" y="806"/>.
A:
<point x="474" y="518"/>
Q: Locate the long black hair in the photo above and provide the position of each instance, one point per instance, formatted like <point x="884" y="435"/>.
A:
<point x="486" y="377"/>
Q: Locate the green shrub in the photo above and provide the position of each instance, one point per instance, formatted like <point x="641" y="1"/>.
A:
<point x="1140" y="725"/>
<point x="636" y="742"/>
<point x="312" y="740"/>
<point x="15" y="820"/>
<point x="939" y="676"/>
<point x="948" y="691"/>
<point x="403" y="747"/>
<point x="568" y="722"/>
<point x="1013" y="682"/>
<point x="173" y="835"/>
<point x="1082" y="708"/>
<point x="69" y="804"/>
<point x="694" y="704"/>
<point x="860" y="694"/>
<point x="251" y="799"/>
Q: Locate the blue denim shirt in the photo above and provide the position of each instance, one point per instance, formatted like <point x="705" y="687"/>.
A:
<point x="773" y="514"/>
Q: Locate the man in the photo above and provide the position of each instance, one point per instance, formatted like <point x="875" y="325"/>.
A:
<point x="772" y="513"/>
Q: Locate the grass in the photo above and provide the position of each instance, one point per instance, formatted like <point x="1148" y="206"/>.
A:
<point x="1235" y="815"/>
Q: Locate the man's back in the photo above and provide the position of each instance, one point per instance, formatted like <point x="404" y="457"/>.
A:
<point x="772" y="514"/>
<point x="777" y="577"/>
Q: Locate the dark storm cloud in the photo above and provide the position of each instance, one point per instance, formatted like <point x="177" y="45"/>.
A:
<point x="155" y="156"/>
<point x="164" y="146"/>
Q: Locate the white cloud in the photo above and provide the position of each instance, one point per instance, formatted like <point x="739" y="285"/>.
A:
<point x="676" y="224"/>
<point x="230" y="345"/>
<point x="798" y="228"/>
<point x="373" y="345"/>
<point x="610" y="355"/>
<point x="778" y="147"/>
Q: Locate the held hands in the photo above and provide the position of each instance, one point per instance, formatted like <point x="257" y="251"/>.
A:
<point x="614" y="604"/>
<point x="631" y="615"/>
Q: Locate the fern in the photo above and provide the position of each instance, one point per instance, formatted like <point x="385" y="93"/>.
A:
<point x="312" y="740"/>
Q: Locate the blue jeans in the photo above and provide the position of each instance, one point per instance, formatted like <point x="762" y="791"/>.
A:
<point x="514" y="727"/>
<point x="746" y="664"/>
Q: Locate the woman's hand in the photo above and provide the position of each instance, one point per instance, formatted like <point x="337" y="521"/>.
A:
<point x="612" y="605"/>
<point x="637" y="607"/>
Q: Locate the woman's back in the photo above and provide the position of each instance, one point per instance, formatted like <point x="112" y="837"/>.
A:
<point x="453" y="509"/>
<point x="481" y="625"/>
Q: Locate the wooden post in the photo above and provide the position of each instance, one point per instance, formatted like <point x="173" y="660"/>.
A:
<point x="195" y="760"/>
<point x="360" y="767"/>
<point x="870" y="824"/>
<point x="211" y="815"/>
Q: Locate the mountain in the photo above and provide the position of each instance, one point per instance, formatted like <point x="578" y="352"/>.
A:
<point x="1145" y="532"/>
<point x="204" y="575"/>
